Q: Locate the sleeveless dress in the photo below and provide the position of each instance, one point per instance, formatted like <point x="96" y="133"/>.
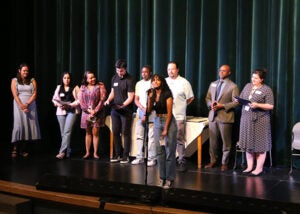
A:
<point x="26" y="125"/>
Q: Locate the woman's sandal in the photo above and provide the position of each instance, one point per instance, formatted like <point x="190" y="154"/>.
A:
<point x="24" y="154"/>
<point x="14" y="153"/>
<point x="60" y="156"/>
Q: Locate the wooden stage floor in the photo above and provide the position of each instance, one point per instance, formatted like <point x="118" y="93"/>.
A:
<point x="196" y="190"/>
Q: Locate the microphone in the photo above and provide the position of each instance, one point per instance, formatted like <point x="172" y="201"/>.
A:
<point x="150" y="90"/>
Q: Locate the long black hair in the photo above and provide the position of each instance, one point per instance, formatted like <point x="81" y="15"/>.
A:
<point x="62" y="81"/>
<point x="164" y="85"/>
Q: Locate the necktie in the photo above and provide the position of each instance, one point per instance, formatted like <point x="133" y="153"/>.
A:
<point x="219" y="89"/>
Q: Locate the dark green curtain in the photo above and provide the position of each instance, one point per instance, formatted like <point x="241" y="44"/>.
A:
<point x="201" y="35"/>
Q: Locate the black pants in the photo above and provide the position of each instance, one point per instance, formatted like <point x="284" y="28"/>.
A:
<point x="121" y="126"/>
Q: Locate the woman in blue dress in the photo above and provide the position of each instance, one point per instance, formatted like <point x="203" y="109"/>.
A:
<point x="26" y="125"/>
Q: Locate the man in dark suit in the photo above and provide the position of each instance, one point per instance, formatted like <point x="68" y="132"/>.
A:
<point x="220" y="101"/>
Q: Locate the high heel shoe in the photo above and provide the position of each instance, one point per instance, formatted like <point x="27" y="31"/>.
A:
<point x="14" y="153"/>
<point x="96" y="157"/>
<point x="60" y="156"/>
<point x="24" y="154"/>
<point x="247" y="172"/>
<point x="255" y="175"/>
<point x="86" y="156"/>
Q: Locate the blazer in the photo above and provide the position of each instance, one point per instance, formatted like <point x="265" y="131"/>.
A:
<point x="226" y="97"/>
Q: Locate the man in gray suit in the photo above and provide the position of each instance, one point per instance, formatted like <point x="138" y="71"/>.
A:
<point x="220" y="101"/>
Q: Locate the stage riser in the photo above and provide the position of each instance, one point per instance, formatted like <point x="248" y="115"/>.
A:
<point x="118" y="192"/>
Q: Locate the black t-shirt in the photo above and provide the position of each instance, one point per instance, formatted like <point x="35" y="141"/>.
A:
<point x="161" y="106"/>
<point x="121" y="87"/>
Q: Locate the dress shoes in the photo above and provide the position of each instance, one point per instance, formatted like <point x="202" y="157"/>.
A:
<point x="247" y="172"/>
<point x="224" y="167"/>
<point x="209" y="166"/>
<point x="60" y="156"/>
<point x="86" y="157"/>
<point x="256" y="175"/>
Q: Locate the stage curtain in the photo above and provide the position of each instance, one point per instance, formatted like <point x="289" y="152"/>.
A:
<point x="201" y="35"/>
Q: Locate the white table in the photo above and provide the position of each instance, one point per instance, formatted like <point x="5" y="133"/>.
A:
<point x="196" y="135"/>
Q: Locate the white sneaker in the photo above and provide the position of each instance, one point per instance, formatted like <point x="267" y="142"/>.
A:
<point x="151" y="162"/>
<point x="137" y="161"/>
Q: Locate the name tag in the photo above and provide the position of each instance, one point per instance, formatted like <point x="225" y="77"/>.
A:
<point x="257" y="92"/>
<point x="214" y="85"/>
<point x="116" y="84"/>
<point x="247" y="108"/>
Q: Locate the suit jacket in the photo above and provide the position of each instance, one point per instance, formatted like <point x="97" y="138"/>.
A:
<point x="226" y="97"/>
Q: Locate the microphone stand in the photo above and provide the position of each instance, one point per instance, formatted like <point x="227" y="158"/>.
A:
<point x="145" y="140"/>
<point x="146" y="130"/>
<point x="145" y="143"/>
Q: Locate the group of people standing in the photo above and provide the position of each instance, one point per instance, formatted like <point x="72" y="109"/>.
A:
<point x="70" y="100"/>
<point x="161" y="110"/>
<point x="162" y="104"/>
<point x="257" y="101"/>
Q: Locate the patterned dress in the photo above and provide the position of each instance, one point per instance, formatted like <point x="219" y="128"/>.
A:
<point x="255" y="125"/>
<point x="91" y="99"/>
<point x="26" y="125"/>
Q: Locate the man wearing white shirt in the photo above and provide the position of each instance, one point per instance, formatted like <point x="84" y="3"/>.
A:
<point x="182" y="96"/>
<point x="140" y="100"/>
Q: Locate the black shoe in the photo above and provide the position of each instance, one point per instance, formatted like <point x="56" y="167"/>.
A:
<point x="125" y="160"/>
<point x="182" y="167"/>
<point x="115" y="159"/>
<point x="256" y="175"/>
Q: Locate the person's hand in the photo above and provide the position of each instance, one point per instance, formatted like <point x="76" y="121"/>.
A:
<point x="213" y="105"/>
<point x="24" y="106"/>
<point x="144" y="119"/>
<point x="164" y="134"/>
<point x="66" y="107"/>
<point x="117" y="107"/>
<point x="253" y="105"/>
<point x="92" y="112"/>
<point x="106" y="103"/>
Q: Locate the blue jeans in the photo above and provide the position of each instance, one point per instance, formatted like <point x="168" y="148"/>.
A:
<point x="66" y="124"/>
<point x="166" y="155"/>
<point x="140" y="133"/>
